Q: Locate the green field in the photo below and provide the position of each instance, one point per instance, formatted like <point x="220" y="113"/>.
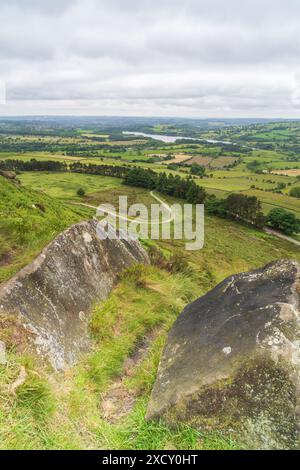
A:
<point x="65" y="185"/>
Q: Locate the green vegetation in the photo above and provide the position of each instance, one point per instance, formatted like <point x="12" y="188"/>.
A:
<point x="66" y="185"/>
<point x="28" y="221"/>
<point x="80" y="192"/>
<point x="69" y="411"/>
<point x="285" y="221"/>
<point x="239" y="207"/>
<point x="197" y="170"/>
<point x="295" y="192"/>
<point x="166" y="184"/>
<point x="172" y="184"/>
<point x="247" y="165"/>
<point x="63" y="411"/>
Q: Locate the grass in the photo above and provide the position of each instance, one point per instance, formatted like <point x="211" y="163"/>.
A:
<point x="65" y="185"/>
<point x="22" y="226"/>
<point x="28" y="221"/>
<point x="270" y="200"/>
<point x="63" y="411"/>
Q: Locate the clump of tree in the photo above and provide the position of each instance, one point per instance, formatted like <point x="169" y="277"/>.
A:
<point x="141" y="177"/>
<point x="197" y="170"/>
<point x="167" y="184"/>
<point x="173" y="166"/>
<point x="239" y="207"/>
<point x="254" y="166"/>
<point x="295" y="192"/>
<point x="116" y="171"/>
<point x="286" y="222"/>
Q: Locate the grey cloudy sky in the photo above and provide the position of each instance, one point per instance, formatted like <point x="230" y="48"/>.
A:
<point x="212" y="58"/>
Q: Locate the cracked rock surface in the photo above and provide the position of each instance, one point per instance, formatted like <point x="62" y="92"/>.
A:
<point x="54" y="294"/>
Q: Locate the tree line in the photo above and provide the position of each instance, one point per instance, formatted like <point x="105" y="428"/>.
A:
<point x="237" y="206"/>
<point x="32" y="165"/>
<point x="248" y="209"/>
<point x="167" y="184"/>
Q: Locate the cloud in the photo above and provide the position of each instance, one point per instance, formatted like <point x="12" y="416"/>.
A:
<point x="161" y="57"/>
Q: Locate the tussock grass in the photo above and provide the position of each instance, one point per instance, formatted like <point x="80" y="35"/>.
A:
<point x="24" y="414"/>
<point x="135" y="308"/>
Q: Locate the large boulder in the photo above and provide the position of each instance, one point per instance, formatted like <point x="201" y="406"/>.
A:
<point x="232" y="360"/>
<point x="54" y="294"/>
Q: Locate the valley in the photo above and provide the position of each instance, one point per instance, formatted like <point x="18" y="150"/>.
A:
<point x="72" y="409"/>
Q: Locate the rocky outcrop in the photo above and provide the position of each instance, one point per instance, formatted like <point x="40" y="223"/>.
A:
<point x="232" y="359"/>
<point x="10" y="175"/>
<point x="54" y="294"/>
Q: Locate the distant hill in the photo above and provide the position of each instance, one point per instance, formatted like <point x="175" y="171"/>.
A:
<point x="122" y="122"/>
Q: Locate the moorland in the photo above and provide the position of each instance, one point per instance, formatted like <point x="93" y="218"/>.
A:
<point x="256" y="159"/>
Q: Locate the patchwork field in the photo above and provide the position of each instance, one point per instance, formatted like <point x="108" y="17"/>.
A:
<point x="209" y="162"/>
<point x="287" y="172"/>
<point x="179" y="158"/>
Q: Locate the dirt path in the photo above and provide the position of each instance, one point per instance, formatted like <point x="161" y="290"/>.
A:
<point x="270" y="231"/>
<point x="136" y="221"/>
<point x="118" y="401"/>
<point x="168" y="208"/>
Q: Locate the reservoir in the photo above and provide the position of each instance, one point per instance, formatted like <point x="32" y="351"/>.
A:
<point x="171" y="139"/>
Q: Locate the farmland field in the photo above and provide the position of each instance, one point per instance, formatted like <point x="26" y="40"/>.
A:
<point x="66" y="185"/>
<point x="220" y="162"/>
<point x="179" y="158"/>
<point x="293" y="172"/>
<point x="267" y="173"/>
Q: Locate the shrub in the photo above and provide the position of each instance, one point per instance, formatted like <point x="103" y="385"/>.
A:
<point x="284" y="221"/>
<point x="295" y="192"/>
<point x="80" y="192"/>
<point x="179" y="264"/>
<point x="136" y="274"/>
<point x="157" y="257"/>
<point x="197" y="170"/>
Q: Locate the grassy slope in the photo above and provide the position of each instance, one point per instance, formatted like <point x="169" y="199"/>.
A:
<point x="64" y="410"/>
<point x="28" y="221"/>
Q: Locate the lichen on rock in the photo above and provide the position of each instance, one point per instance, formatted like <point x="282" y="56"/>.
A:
<point x="232" y="360"/>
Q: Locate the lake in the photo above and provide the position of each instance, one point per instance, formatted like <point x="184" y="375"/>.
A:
<point x="170" y="139"/>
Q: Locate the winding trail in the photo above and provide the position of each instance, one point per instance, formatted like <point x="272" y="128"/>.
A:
<point x="135" y="221"/>
<point x="267" y="230"/>
<point x="271" y="231"/>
